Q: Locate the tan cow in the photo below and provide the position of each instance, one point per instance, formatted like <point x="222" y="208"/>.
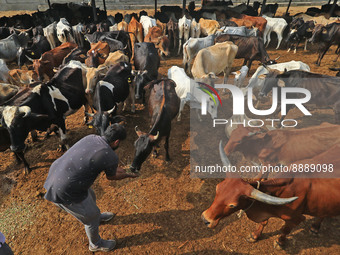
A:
<point x="123" y="26"/>
<point x="208" y="27"/>
<point x="21" y="77"/>
<point x="213" y="60"/>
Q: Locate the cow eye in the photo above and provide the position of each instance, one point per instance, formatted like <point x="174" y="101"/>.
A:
<point x="232" y="205"/>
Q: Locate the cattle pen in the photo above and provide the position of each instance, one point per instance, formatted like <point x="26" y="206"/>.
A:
<point x="160" y="211"/>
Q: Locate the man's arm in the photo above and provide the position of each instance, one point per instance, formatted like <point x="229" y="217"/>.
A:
<point x="121" y="174"/>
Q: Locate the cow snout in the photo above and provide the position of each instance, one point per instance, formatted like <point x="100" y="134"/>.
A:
<point x="88" y="91"/>
<point x="205" y="221"/>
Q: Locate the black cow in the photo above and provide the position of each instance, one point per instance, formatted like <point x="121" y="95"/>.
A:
<point x="163" y="107"/>
<point x="48" y="104"/>
<point x="146" y="62"/>
<point x="250" y="48"/>
<point x="270" y="9"/>
<point x="39" y="46"/>
<point x="326" y="36"/>
<point x="5" y="32"/>
<point x="301" y="30"/>
<point x="324" y="89"/>
<point x="118" y="17"/>
<point x="114" y="88"/>
<point x="104" y="26"/>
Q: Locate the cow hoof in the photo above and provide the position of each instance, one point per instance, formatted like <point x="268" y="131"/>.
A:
<point x="278" y="246"/>
<point x="250" y="238"/>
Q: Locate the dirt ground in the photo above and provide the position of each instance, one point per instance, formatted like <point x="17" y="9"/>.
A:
<point x="157" y="213"/>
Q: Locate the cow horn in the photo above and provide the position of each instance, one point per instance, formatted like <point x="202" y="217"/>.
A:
<point x="111" y="111"/>
<point x="2" y="108"/>
<point x="277" y="58"/>
<point x="155" y="137"/>
<point x="30" y="59"/>
<point x="268" y="199"/>
<point x="89" y="114"/>
<point x="136" y="129"/>
<point x="224" y="157"/>
<point x="25" y="109"/>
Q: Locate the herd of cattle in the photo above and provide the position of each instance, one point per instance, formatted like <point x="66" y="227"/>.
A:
<point x="71" y="62"/>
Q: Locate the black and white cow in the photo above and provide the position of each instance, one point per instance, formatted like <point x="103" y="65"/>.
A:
<point x="114" y="88"/>
<point x="48" y="104"/>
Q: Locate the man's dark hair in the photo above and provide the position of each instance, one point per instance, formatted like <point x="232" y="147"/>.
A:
<point x="115" y="132"/>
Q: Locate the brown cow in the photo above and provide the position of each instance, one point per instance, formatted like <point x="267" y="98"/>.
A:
<point x="162" y="43"/>
<point x="21" y="77"/>
<point x="51" y="59"/>
<point x="242" y="22"/>
<point x="283" y="146"/>
<point x="97" y="54"/>
<point x="135" y="30"/>
<point x="289" y="198"/>
<point x="249" y="48"/>
<point x="258" y="22"/>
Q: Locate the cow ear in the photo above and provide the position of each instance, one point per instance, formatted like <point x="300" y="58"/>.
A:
<point x="281" y="83"/>
<point x="262" y="76"/>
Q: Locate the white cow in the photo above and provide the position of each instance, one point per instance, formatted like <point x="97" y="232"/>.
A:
<point x="147" y="23"/>
<point x="255" y="81"/>
<point x="193" y="46"/>
<point x="195" y="29"/>
<point x="184" y="26"/>
<point x="276" y="25"/>
<point x="3" y="71"/>
<point x="188" y="91"/>
<point x="64" y="31"/>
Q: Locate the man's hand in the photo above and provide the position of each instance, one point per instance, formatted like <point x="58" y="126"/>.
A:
<point x="122" y="174"/>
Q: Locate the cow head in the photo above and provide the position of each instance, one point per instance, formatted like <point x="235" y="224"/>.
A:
<point x="18" y="120"/>
<point x="41" y="66"/>
<point x="92" y="77"/>
<point x="101" y="120"/>
<point x="234" y="194"/>
<point x="140" y="77"/>
<point x="143" y="148"/>
<point x="272" y="79"/>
